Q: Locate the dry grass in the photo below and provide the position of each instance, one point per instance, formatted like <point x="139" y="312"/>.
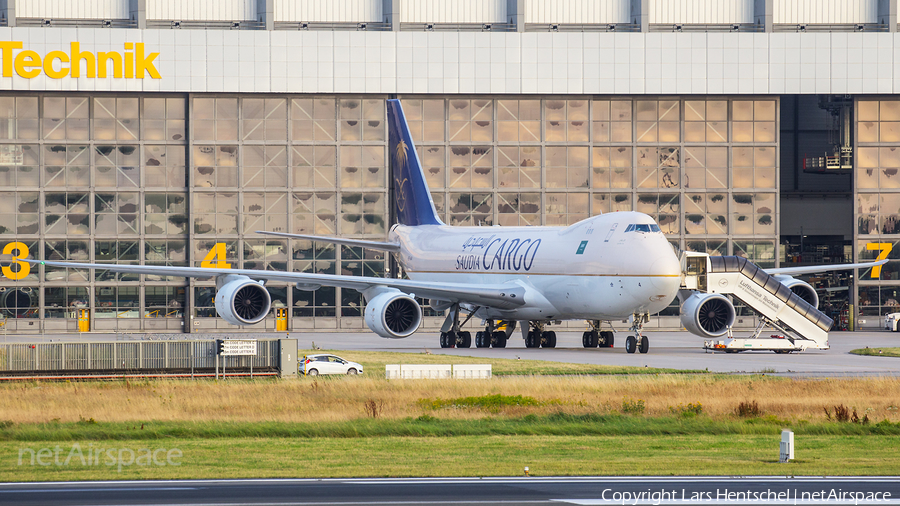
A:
<point x="346" y="398"/>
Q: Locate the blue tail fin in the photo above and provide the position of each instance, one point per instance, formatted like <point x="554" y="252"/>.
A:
<point x="411" y="195"/>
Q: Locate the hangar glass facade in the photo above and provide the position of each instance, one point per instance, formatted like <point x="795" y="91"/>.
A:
<point x="185" y="179"/>
<point x="877" y="192"/>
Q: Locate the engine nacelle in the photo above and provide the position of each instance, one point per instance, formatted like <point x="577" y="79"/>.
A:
<point x="242" y="301"/>
<point x="803" y="289"/>
<point x="393" y="314"/>
<point x="707" y="314"/>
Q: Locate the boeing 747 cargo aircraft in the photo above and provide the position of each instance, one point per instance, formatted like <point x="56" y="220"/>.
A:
<point x="605" y="268"/>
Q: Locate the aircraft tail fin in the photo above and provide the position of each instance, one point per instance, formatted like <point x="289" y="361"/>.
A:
<point x="411" y="195"/>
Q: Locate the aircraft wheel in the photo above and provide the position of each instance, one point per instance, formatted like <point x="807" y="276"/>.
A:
<point x="630" y="344"/>
<point x="533" y="339"/>
<point x="479" y="340"/>
<point x="586" y="339"/>
<point x="645" y="345"/>
<point x="465" y="340"/>
<point x="608" y="339"/>
<point x="595" y="339"/>
<point x="549" y="339"/>
<point x="448" y="339"/>
<point x="499" y="340"/>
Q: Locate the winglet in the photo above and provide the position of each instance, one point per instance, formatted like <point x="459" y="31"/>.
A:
<point x="411" y="195"/>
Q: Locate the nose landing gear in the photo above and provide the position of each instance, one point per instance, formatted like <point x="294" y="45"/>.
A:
<point x="638" y="342"/>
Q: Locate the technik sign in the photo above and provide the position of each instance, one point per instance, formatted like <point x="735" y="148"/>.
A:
<point x="132" y="63"/>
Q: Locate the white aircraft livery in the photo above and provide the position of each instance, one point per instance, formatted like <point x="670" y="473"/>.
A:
<point x="605" y="268"/>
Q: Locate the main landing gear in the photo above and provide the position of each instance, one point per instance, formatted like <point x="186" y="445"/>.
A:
<point x="597" y="338"/>
<point x="638" y="342"/>
<point x="537" y="337"/>
<point x="453" y="337"/>
<point x="491" y="336"/>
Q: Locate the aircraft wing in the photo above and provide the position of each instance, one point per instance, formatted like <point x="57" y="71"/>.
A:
<point x="382" y="246"/>
<point x="810" y="269"/>
<point x="502" y="296"/>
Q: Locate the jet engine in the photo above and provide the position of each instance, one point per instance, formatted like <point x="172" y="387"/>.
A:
<point x="242" y="301"/>
<point x="707" y="314"/>
<point x="393" y="314"/>
<point x="803" y="289"/>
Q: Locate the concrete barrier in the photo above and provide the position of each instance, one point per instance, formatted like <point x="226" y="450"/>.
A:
<point x="472" y="371"/>
<point x="437" y="371"/>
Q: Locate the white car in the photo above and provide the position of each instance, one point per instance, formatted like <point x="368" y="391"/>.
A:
<point x="323" y="363"/>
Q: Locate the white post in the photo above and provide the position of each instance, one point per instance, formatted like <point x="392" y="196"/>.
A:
<point x="787" y="446"/>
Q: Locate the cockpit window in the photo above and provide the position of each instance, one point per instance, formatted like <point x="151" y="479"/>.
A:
<point x="642" y="228"/>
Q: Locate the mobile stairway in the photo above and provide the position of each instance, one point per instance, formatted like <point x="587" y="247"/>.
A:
<point x="799" y="325"/>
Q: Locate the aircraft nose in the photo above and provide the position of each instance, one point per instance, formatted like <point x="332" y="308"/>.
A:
<point x="665" y="271"/>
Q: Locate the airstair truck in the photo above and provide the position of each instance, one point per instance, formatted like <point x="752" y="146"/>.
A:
<point x="798" y="324"/>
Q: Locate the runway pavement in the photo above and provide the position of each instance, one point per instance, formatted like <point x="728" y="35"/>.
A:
<point x="676" y="350"/>
<point x="456" y="491"/>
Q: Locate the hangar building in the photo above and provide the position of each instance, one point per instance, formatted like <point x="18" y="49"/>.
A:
<point x="168" y="132"/>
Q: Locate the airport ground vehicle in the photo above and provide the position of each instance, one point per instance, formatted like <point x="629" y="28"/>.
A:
<point x="324" y="363"/>
<point x="892" y="322"/>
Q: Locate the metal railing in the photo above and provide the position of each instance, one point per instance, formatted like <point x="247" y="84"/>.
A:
<point x="579" y="27"/>
<point x="457" y="27"/>
<point x="825" y="27"/>
<point x="131" y="359"/>
<point x="361" y="26"/>
<point x="67" y="22"/>
<point x="695" y="27"/>
<point x="241" y="24"/>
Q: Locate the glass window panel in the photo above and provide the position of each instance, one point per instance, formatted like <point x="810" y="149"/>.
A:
<point x="867" y="110"/>
<point x="742" y="110"/>
<point x="742" y="131"/>
<point x="889" y="131"/>
<point x="889" y="110"/>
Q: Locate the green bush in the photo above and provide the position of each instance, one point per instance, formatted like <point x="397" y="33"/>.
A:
<point x="688" y="411"/>
<point x="633" y="407"/>
<point x="492" y="403"/>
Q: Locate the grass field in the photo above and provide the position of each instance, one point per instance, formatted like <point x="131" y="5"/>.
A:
<point x="374" y="362"/>
<point x="468" y="456"/>
<point x="877" y="352"/>
<point x="369" y="426"/>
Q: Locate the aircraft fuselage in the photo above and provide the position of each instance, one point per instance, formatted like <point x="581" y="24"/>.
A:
<point x="605" y="267"/>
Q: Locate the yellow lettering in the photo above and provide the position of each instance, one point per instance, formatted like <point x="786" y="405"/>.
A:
<point x="27" y="59"/>
<point x="21" y="252"/>
<point x="129" y="65"/>
<point x="132" y="63"/>
<point x="116" y="59"/>
<point x="217" y="252"/>
<point x="76" y="56"/>
<point x="885" y="248"/>
<point x="48" y="64"/>
<point x="145" y="63"/>
<point x="6" y="47"/>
